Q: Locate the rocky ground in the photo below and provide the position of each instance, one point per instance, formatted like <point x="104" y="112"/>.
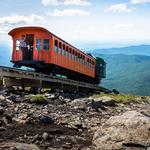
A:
<point x="72" y="121"/>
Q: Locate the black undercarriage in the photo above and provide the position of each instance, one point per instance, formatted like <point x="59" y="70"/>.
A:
<point x="52" y="69"/>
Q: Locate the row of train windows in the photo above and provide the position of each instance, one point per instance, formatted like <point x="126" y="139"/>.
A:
<point x="42" y="44"/>
<point x="72" y="54"/>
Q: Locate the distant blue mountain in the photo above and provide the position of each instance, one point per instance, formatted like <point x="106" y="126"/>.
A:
<point x="5" y="55"/>
<point x="127" y="73"/>
<point x="131" y="50"/>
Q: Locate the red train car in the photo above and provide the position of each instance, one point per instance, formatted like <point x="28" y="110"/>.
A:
<point x="48" y="53"/>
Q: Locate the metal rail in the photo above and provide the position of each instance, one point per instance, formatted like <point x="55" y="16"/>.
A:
<point x="8" y="72"/>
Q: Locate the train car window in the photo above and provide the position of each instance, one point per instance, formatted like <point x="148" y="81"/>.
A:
<point x="38" y="44"/>
<point x="73" y="57"/>
<point x="84" y="60"/>
<point x="81" y="58"/>
<point x="70" y="50"/>
<point x="67" y="54"/>
<point x="92" y="64"/>
<point x="76" y="55"/>
<point x="46" y="44"/>
<point x="88" y="62"/>
<point x="63" y="50"/>
<point x="60" y="48"/>
<point x="17" y="44"/>
<point x="70" y="55"/>
<point x="73" y="54"/>
<point x="56" y="46"/>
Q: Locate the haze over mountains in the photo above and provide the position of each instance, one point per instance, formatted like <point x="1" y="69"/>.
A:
<point x="5" y="55"/>
<point x="131" y="50"/>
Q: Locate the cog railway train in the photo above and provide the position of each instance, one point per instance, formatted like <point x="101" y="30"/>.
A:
<point x="47" y="53"/>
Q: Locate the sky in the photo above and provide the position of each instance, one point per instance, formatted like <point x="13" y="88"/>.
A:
<point x="87" y="24"/>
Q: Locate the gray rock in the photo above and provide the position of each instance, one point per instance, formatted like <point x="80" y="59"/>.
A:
<point x="51" y="96"/>
<point x="45" y="136"/>
<point x="61" y="98"/>
<point x="8" y="117"/>
<point x="1" y="122"/>
<point x="35" y="138"/>
<point x="5" y="102"/>
<point x="1" y="110"/>
<point x="3" y="91"/>
<point x="115" y="91"/>
<point x="109" y="102"/>
<point x="130" y="129"/>
<point x="12" y="98"/>
<point x="2" y="129"/>
<point x="67" y="100"/>
<point x="105" y="100"/>
<point x="18" y="146"/>
<point x="45" y="119"/>
<point x="96" y="105"/>
<point x="21" y="119"/>
<point x="2" y="97"/>
<point x="79" y="102"/>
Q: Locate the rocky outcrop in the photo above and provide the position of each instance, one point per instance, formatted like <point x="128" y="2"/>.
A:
<point x="69" y="121"/>
<point x="131" y="129"/>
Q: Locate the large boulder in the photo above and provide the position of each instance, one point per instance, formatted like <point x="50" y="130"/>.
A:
<point x="129" y="130"/>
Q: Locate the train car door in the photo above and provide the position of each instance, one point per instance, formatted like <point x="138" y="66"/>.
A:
<point x="30" y="40"/>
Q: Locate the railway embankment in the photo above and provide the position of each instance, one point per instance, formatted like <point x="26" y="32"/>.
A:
<point x="73" y="121"/>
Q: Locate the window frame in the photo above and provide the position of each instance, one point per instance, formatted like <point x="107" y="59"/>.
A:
<point x="39" y="44"/>
<point x="17" y="46"/>
<point x="56" y="45"/>
<point x="46" y="44"/>
<point x="60" y="48"/>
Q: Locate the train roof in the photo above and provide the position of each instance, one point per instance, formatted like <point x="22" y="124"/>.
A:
<point x="12" y="32"/>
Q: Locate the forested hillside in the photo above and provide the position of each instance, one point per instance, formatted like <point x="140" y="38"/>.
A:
<point x="128" y="73"/>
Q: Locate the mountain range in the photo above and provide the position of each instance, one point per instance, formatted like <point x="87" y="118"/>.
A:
<point x="128" y="69"/>
<point x="127" y="73"/>
<point x="131" y="50"/>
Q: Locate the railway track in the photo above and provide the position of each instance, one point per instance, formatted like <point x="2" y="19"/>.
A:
<point x="17" y="77"/>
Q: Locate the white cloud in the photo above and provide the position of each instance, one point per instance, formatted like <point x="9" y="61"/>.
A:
<point x="9" y="22"/>
<point x="68" y="12"/>
<point x="15" y="19"/>
<point x="65" y="2"/>
<point x="76" y="2"/>
<point x="50" y="2"/>
<point x="139" y="1"/>
<point x="124" y="26"/>
<point x="118" y="8"/>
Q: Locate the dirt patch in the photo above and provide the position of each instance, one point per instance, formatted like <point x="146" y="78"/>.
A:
<point x="58" y="136"/>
